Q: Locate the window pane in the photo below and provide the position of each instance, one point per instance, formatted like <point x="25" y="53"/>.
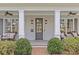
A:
<point x="11" y="25"/>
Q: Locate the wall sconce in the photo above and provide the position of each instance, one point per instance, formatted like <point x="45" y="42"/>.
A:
<point x="31" y="21"/>
<point x="32" y="30"/>
<point x="45" y="21"/>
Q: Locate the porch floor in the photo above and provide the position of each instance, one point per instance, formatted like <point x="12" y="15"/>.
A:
<point x="39" y="43"/>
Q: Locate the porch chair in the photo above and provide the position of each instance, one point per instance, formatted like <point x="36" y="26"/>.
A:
<point x="8" y="36"/>
<point x="75" y="34"/>
<point x="69" y="34"/>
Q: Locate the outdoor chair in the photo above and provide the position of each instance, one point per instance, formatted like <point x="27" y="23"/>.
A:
<point x="8" y="36"/>
<point x="75" y="34"/>
<point x="69" y="34"/>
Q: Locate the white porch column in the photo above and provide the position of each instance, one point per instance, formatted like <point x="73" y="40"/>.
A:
<point x="78" y="26"/>
<point x="57" y="24"/>
<point x="21" y="24"/>
<point x="3" y="26"/>
<point x="73" y="25"/>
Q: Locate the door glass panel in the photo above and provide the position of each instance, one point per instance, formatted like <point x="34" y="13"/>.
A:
<point x="39" y="28"/>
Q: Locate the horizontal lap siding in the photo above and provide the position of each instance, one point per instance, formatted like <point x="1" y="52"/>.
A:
<point x="1" y="26"/>
<point x="48" y="29"/>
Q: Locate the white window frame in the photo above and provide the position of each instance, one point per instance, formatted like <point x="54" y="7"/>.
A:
<point x="4" y="23"/>
<point x="73" y="18"/>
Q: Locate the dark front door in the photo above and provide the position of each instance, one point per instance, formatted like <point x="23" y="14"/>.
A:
<point x="39" y="28"/>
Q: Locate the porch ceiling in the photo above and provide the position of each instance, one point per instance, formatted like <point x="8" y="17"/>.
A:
<point x="16" y="13"/>
<point x="63" y="13"/>
<point x="39" y="12"/>
<point x="42" y="6"/>
<point x="39" y="4"/>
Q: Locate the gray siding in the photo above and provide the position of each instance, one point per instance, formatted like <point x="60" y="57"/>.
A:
<point x="1" y="26"/>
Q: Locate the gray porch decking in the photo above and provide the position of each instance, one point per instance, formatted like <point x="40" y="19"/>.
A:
<point x="39" y="43"/>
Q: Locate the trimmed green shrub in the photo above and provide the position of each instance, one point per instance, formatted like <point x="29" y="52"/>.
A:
<point x="77" y="44"/>
<point x="71" y="45"/>
<point x="55" y="46"/>
<point x="7" y="47"/>
<point x="23" y="47"/>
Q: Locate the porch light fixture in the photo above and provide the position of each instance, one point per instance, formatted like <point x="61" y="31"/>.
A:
<point x="72" y="13"/>
<point x="32" y="30"/>
<point x="45" y="21"/>
<point x="31" y="21"/>
<point x="8" y="13"/>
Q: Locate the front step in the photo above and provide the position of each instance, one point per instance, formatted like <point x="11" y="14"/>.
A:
<point x="38" y="42"/>
<point x="39" y="47"/>
<point x="39" y="51"/>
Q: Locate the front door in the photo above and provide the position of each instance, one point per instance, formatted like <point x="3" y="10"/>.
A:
<point x="39" y="28"/>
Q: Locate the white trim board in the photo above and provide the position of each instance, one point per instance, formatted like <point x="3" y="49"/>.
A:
<point x="26" y="9"/>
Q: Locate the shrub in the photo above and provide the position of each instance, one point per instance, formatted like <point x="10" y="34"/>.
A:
<point x="55" y="46"/>
<point x="71" y="45"/>
<point x="7" y="47"/>
<point x="77" y="46"/>
<point x="23" y="47"/>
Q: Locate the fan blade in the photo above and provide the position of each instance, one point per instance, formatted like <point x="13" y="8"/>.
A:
<point x="8" y="13"/>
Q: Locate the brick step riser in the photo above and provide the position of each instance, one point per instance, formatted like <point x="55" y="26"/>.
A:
<point x="39" y="51"/>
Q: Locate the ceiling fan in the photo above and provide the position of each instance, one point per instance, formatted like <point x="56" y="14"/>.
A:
<point x="8" y="13"/>
<point x="72" y="13"/>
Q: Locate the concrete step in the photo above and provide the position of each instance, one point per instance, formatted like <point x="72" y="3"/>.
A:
<point x="38" y="42"/>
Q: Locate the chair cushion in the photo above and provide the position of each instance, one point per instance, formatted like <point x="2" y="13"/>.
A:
<point x="69" y="35"/>
<point x="8" y="35"/>
<point x="75" y="34"/>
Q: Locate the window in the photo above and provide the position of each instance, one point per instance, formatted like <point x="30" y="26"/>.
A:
<point x="68" y="25"/>
<point x="11" y="25"/>
<point x="62" y="26"/>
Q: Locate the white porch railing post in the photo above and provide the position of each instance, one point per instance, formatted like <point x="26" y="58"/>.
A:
<point x="21" y="24"/>
<point x="57" y="24"/>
